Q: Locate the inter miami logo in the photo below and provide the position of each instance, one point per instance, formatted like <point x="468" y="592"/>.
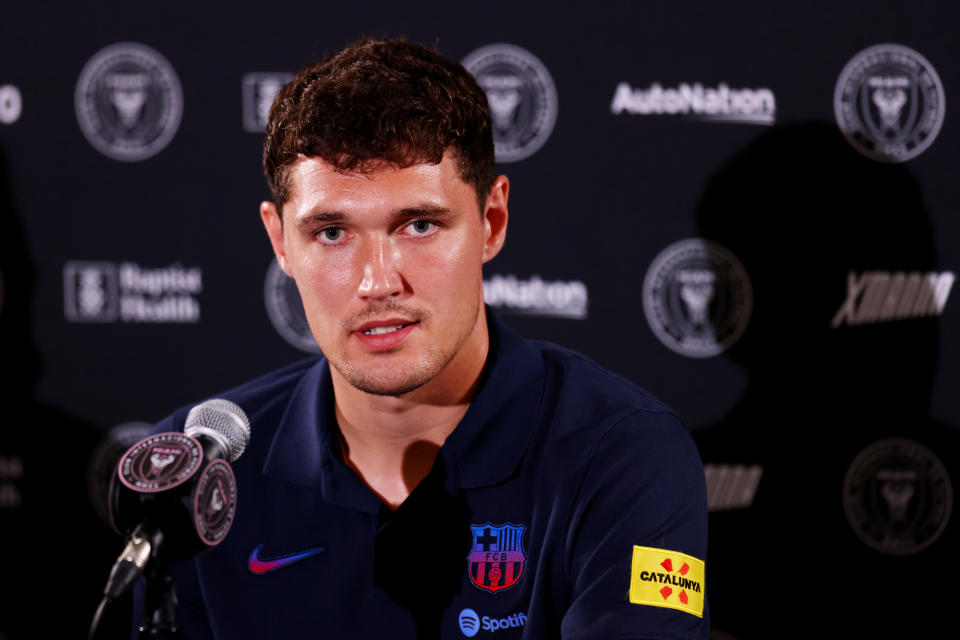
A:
<point x="285" y="309"/>
<point x="496" y="559"/>
<point x="889" y="103"/>
<point x="215" y="502"/>
<point x="160" y="462"/>
<point x="522" y="97"/>
<point x="897" y="496"/>
<point x="128" y="101"/>
<point x="697" y="298"/>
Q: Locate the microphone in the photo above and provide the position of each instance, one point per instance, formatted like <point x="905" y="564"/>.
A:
<point x="174" y="494"/>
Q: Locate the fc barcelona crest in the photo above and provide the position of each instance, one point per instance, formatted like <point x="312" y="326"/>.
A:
<point x="496" y="559"/>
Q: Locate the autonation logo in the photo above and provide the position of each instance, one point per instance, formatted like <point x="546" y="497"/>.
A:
<point x="720" y="103"/>
<point x="471" y="623"/>
<point x="537" y="297"/>
<point x="106" y="292"/>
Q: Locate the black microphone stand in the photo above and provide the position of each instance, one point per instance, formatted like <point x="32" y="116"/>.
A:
<point x="159" y="605"/>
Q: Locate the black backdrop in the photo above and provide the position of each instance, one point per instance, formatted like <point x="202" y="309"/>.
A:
<point x="695" y="219"/>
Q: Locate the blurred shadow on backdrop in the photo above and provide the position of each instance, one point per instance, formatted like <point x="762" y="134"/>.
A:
<point x="56" y="550"/>
<point x="808" y="217"/>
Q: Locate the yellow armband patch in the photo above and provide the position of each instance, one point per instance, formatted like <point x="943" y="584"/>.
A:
<point x="670" y="579"/>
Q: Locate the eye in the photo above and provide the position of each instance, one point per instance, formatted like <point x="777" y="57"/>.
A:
<point x="421" y="227"/>
<point x="331" y="234"/>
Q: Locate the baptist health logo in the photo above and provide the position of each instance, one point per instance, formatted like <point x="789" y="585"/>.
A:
<point x="471" y="623"/>
<point x="259" y="89"/>
<point x="718" y="104"/>
<point x="105" y="292"/>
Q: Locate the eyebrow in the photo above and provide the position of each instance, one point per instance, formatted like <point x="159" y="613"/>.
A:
<point x="320" y="217"/>
<point x="425" y="210"/>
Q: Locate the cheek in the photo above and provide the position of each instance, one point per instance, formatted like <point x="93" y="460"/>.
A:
<point x="336" y="272"/>
<point x="453" y="269"/>
<point x="323" y="277"/>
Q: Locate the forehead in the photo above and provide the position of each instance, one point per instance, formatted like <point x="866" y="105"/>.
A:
<point x="315" y="183"/>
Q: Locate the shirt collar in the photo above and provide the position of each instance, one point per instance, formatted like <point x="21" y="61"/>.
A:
<point x="484" y="449"/>
<point x="488" y="444"/>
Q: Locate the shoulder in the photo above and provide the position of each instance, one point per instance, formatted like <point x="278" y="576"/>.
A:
<point x="589" y="397"/>
<point x="264" y="395"/>
<point x="617" y="438"/>
<point x="626" y="473"/>
<point x="272" y="388"/>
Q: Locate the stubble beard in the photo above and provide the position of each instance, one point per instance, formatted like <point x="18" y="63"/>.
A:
<point x="401" y="378"/>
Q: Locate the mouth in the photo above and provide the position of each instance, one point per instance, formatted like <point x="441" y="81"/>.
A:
<point x="378" y="331"/>
<point x="385" y="335"/>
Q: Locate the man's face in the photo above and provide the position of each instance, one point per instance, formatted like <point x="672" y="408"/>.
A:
<point x="388" y="265"/>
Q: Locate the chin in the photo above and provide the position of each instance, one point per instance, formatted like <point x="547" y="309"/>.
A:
<point x="386" y="388"/>
<point x="392" y="380"/>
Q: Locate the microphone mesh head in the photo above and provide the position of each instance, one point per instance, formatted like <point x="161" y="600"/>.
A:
<point x="222" y="420"/>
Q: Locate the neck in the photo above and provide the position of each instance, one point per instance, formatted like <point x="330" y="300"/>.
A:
<point x="391" y="442"/>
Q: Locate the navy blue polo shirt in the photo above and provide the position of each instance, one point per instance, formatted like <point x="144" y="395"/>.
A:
<point x="567" y="503"/>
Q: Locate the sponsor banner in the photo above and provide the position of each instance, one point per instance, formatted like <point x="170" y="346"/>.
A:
<point x="128" y="101"/>
<point x="697" y="298"/>
<point x="106" y="292"/>
<point x="259" y="89"/>
<point x="884" y="296"/>
<point x="285" y="309"/>
<point x="537" y="297"/>
<point x="697" y="102"/>
<point x="471" y="623"/>
<point x="731" y="486"/>
<point x="11" y="104"/>
<point x="670" y="579"/>
<point x="522" y="97"/>
<point x="897" y="496"/>
<point x="889" y="103"/>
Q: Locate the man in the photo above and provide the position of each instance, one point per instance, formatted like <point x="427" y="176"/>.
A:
<point x="433" y="475"/>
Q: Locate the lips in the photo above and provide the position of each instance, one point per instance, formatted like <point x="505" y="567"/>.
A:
<point x="377" y="331"/>
<point x="380" y="335"/>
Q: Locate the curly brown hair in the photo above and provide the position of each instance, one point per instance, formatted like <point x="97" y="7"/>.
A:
<point x="379" y="102"/>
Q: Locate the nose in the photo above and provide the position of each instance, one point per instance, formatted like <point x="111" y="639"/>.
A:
<point x="380" y="269"/>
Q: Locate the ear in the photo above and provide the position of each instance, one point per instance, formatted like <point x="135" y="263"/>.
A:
<point x="495" y="218"/>
<point x="272" y="223"/>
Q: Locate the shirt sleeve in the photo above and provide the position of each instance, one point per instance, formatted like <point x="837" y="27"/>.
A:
<point x="637" y="536"/>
